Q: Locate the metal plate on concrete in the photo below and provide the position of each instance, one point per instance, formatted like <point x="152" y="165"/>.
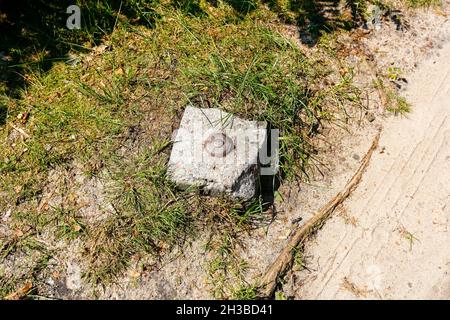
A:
<point x="217" y="152"/>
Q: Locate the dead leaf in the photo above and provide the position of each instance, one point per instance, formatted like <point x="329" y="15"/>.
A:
<point x="18" y="233"/>
<point x="23" y="117"/>
<point x="119" y="72"/>
<point x="21" y="131"/>
<point x="100" y="49"/>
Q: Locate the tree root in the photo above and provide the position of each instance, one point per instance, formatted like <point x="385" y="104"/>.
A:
<point x="283" y="262"/>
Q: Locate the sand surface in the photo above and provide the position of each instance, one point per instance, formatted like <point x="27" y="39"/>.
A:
<point x="398" y="244"/>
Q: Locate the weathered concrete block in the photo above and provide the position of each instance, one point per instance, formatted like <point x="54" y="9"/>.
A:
<point x="217" y="152"/>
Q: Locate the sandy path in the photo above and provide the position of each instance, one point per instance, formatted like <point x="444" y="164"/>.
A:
<point x="400" y="246"/>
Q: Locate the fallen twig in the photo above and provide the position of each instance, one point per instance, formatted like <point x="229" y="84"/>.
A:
<point x="283" y="262"/>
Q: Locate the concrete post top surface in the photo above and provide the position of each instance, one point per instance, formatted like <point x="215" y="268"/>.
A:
<point x="218" y="152"/>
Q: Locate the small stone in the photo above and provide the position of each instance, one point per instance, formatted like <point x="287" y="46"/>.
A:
<point x="356" y="157"/>
<point x="370" y="117"/>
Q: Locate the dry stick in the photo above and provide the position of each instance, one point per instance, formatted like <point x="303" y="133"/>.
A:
<point x="284" y="260"/>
